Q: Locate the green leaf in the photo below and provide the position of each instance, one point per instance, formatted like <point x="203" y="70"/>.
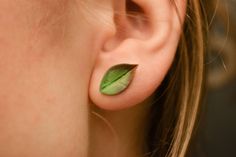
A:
<point x="117" y="79"/>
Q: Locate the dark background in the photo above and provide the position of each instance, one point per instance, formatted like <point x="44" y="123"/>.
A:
<point x="216" y="129"/>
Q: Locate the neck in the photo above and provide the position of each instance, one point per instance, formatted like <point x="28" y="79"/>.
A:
<point x="119" y="133"/>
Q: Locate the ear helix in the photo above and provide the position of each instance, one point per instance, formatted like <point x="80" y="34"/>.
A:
<point x="117" y="79"/>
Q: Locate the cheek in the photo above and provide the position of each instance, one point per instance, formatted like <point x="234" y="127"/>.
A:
<point x="44" y="79"/>
<point x="39" y="101"/>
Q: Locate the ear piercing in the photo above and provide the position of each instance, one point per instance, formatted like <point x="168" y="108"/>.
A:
<point x="117" y="79"/>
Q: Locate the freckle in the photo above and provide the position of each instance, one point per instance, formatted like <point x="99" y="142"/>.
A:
<point x="36" y="119"/>
<point x="3" y="42"/>
<point x="50" y="100"/>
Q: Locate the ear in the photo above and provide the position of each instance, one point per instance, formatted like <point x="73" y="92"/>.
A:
<point x="148" y="37"/>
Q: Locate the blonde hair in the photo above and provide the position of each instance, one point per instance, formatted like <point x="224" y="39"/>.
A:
<point x="180" y="94"/>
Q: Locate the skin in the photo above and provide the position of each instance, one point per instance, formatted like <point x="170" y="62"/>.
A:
<point x="48" y="53"/>
<point x="44" y="78"/>
<point x="120" y="133"/>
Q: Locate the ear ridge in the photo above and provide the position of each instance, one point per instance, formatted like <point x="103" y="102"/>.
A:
<point x="131" y="23"/>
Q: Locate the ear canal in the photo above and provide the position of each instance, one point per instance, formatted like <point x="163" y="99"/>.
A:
<point x="117" y="79"/>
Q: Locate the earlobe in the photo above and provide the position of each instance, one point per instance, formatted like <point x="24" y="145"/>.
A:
<point x="152" y="47"/>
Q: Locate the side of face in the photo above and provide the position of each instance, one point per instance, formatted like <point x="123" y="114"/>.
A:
<point x="53" y="55"/>
<point x="47" y="53"/>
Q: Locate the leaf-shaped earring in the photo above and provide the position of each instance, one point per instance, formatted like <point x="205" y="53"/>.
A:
<point x="117" y="79"/>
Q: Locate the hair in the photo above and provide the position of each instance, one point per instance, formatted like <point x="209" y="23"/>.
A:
<point x="174" y="115"/>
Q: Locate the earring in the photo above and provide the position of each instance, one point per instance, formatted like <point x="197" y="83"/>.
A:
<point x="117" y="79"/>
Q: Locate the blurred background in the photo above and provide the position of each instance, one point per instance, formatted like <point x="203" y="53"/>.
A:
<point x="216" y="129"/>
